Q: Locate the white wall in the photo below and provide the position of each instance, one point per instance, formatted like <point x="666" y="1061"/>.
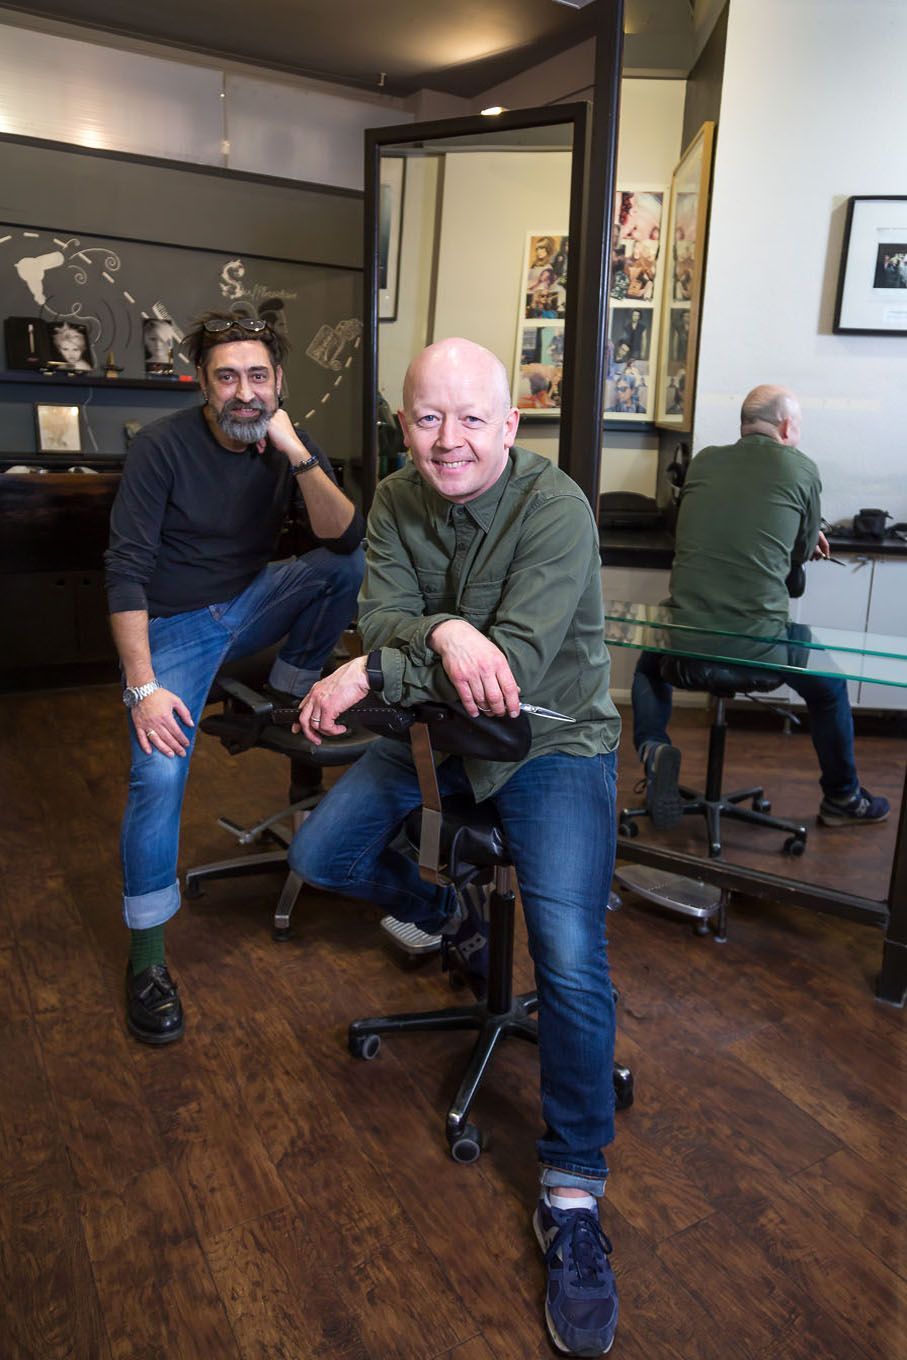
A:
<point x="818" y="117"/>
<point x="95" y="91"/>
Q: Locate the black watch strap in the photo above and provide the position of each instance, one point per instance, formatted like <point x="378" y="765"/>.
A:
<point x="373" y="672"/>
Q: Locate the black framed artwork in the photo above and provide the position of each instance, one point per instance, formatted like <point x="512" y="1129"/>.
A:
<point x="872" y="281"/>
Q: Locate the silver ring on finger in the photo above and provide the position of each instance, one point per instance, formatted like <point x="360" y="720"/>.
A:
<point x="150" y="732"/>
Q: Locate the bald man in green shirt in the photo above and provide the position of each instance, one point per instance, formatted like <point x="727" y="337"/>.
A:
<point x="483" y="584"/>
<point x="749" y="513"/>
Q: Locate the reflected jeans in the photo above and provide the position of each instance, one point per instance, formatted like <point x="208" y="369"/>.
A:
<point x="558" y="815"/>
<point x="830" y="720"/>
<point x="311" y="599"/>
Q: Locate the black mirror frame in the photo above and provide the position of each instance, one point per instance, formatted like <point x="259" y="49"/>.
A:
<point x="577" y="114"/>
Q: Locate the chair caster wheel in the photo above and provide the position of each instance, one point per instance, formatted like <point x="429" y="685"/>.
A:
<point x="623" y="1087"/>
<point x="192" y="890"/>
<point x="627" y="828"/>
<point x="701" y="927"/>
<point x="365" y="1046"/>
<point x="466" y="1146"/>
<point x="762" y="805"/>
<point x="794" y="845"/>
<point x="715" y="850"/>
<point x="281" y="933"/>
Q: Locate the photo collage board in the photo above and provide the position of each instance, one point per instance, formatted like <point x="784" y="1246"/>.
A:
<point x="634" y="283"/>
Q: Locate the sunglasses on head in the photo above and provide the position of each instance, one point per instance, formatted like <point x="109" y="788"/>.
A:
<point x="219" y="324"/>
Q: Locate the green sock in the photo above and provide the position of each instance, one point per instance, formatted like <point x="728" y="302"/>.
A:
<point x="146" y="947"/>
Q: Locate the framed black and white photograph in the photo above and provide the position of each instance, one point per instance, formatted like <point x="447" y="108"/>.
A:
<point x="390" y="230"/>
<point x="872" y="282"/>
<point x="159" y="339"/>
<point x="70" y="346"/>
<point x="59" y="428"/>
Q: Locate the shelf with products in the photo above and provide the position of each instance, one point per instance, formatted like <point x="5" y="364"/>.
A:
<point x="26" y="375"/>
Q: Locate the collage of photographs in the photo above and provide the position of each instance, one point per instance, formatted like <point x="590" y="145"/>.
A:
<point x="540" y="351"/>
<point x="634" y="292"/>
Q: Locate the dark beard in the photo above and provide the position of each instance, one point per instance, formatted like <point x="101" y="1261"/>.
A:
<point x="245" y="431"/>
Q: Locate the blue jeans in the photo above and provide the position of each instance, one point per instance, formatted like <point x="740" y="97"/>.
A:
<point x="558" y="814"/>
<point x="311" y="599"/>
<point x="830" y="720"/>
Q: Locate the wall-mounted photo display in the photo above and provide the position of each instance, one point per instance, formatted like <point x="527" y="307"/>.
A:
<point x="539" y="362"/>
<point x="634" y="288"/>
<point x="59" y="428"/>
<point x="684" y="263"/>
<point x="872" y="282"/>
<point x="70" y="346"/>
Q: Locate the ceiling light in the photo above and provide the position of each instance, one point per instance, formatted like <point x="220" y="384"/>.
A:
<point x="493" y="111"/>
<point x="574" y="4"/>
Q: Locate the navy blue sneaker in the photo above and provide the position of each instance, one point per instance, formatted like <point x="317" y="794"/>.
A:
<point x="663" y="801"/>
<point x="466" y="950"/>
<point x="581" y="1301"/>
<point x="862" y="810"/>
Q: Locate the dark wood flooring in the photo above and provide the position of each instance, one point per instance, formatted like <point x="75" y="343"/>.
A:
<point x="252" y="1191"/>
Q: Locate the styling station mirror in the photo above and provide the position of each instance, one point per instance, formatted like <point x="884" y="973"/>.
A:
<point x="470" y="224"/>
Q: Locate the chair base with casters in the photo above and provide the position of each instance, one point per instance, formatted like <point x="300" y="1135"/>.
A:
<point x="460" y="842"/>
<point x="250" y="719"/>
<point x="723" y="681"/>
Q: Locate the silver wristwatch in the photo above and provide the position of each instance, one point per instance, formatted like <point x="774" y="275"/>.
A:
<point x="134" y="694"/>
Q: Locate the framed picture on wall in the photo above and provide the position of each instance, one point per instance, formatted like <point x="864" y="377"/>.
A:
<point x="70" y="346"/>
<point x="390" y="230"/>
<point x="634" y="294"/>
<point x="539" y="361"/>
<point x="872" y="281"/>
<point x="59" y="428"/>
<point x="684" y="264"/>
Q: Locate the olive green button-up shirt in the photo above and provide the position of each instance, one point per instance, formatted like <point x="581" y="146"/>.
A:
<point x="521" y="564"/>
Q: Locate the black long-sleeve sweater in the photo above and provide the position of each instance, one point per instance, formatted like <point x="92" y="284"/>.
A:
<point x="193" y="523"/>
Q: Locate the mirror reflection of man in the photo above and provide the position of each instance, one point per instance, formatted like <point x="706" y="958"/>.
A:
<point x="191" y="584"/>
<point x="483" y="582"/>
<point x="732" y="560"/>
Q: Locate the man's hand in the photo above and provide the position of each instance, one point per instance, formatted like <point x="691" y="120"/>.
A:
<point x="334" y="694"/>
<point x="821" y="549"/>
<point x="478" y="670"/>
<point x="284" y="437"/>
<point x="157" y="728"/>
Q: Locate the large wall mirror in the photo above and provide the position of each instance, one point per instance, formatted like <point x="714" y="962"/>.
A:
<point x="458" y="217"/>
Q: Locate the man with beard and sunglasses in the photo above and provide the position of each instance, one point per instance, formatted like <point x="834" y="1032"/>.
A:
<point x="191" y="584"/>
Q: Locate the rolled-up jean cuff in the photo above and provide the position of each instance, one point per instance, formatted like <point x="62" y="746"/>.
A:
<point x="292" y="679"/>
<point x="553" y="1175"/>
<point x="152" y="908"/>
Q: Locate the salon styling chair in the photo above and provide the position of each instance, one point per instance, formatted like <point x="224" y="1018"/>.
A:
<point x="723" y="681"/>
<point x="458" y="842"/>
<point x="249" y="718"/>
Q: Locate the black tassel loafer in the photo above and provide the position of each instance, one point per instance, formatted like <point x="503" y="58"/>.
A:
<point x="153" y="1010"/>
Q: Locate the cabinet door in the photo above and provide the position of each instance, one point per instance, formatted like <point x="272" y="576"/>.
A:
<point x="835" y="597"/>
<point x="37" y="619"/>
<point x="887" y="614"/>
<point x="95" y="642"/>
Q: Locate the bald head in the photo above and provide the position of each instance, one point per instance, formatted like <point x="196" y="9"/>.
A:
<point x="771" y="411"/>
<point x="458" y="420"/>
<point x="460" y="359"/>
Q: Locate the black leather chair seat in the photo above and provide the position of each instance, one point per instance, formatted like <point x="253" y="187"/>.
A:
<point x="721" y="678"/>
<point x="471" y="836"/>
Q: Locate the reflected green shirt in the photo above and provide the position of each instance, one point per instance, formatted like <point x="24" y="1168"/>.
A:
<point x="521" y="564"/>
<point x="748" y="511"/>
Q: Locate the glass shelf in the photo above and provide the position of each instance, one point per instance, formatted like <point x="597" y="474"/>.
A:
<point x="176" y="384"/>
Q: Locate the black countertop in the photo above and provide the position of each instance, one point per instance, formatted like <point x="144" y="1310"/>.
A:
<point x="654" y="548"/>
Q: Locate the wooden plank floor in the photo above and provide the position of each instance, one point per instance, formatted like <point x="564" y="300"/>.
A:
<point x="254" y="1192"/>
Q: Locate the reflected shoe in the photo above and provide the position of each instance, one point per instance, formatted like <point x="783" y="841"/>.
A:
<point x="581" y="1300"/>
<point x="663" y="802"/>
<point x="466" y="949"/>
<point x="861" y="810"/>
<point x="153" y="1010"/>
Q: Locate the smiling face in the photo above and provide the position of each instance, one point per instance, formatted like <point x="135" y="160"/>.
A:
<point x="241" y="390"/>
<point x="459" y="423"/>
